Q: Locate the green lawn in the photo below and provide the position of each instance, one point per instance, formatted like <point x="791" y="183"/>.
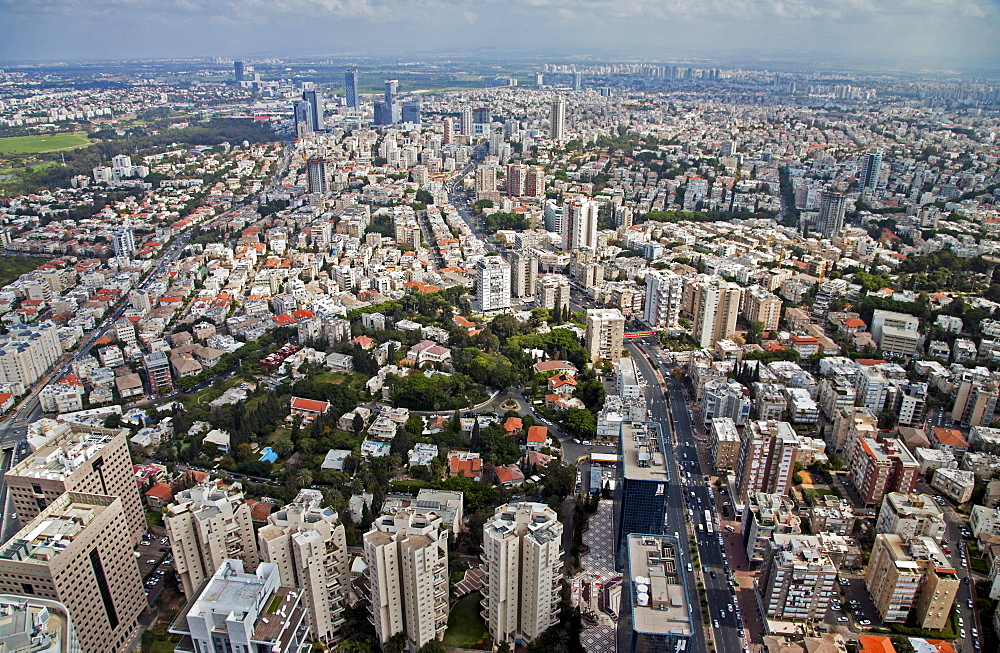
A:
<point x="42" y="143"/>
<point x="465" y="626"/>
<point x="11" y="267"/>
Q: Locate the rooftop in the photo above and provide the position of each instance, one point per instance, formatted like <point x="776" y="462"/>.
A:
<point x="52" y="532"/>
<point x="643" y="452"/>
<point x="69" y="447"/>
<point x="660" y="604"/>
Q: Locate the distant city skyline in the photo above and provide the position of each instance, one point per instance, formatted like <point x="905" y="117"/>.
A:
<point x="906" y="35"/>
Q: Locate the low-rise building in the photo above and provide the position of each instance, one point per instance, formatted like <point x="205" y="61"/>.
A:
<point x="911" y="515"/>
<point x="831" y="514"/>
<point x="956" y="484"/>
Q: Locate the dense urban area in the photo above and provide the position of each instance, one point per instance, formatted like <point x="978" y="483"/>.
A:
<point x="465" y="356"/>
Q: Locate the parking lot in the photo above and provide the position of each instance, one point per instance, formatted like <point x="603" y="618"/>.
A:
<point x="155" y="564"/>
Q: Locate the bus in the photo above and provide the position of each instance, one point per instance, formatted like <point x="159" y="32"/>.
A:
<point x="708" y="521"/>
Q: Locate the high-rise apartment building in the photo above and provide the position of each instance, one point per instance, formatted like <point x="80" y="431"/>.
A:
<point x="78" y="458"/>
<point x="465" y="122"/>
<point x="316" y="173"/>
<point x="605" y="336"/>
<point x="448" y="136"/>
<point x="553" y="214"/>
<point x="796" y="581"/>
<point x="534" y="181"/>
<point x="523" y="274"/>
<point x="911" y="515"/>
<point x="764" y="516"/>
<point x="207" y="524"/>
<point x="515" y="180"/>
<point x="124" y="242"/>
<point x="724" y="443"/>
<point x="715" y="308"/>
<point x="664" y="292"/>
<point x="976" y="402"/>
<point x="351" y="83"/>
<point x="760" y="305"/>
<point x="870" y="389"/>
<point x="28" y="351"/>
<point x="308" y="545"/>
<point x="523" y="559"/>
<point x="493" y="283"/>
<point x="877" y="468"/>
<point x="407" y="558"/>
<point x="579" y="224"/>
<point x="486" y="179"/>
<point x="74" y="552"/>
<point x="238" y="71"/>
<point x="244" y="613"/>
<point x="911" y="574"/>
<point x="830" y="220"/>
<point x="869" y="168"/>
<point x="557" y="121"/>
<point x="767" y="459"/>
<point x="552" y="290"/>
<point x="158" y="371"/>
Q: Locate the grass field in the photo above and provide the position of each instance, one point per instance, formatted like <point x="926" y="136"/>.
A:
<point x="43" y="143"/>
<point x="465" y="625"/>
<point x="11" y="267"/>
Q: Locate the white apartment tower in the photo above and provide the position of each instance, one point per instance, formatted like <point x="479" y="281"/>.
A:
<point x="524" y="274"/>
<point x="557" y="121"/>
<point x="664" y="292"/>
<point x="523" y="558"/>
<point x="309" y="547"/>
<point x="124" y="242"/>
<point x="407" y="558"/>
<point x="716" y="307"/>
<point x="579" y="225"/>
<point x="207" y="524"/>
<point x="493" y="283"/>
<point x="605" y="337"/>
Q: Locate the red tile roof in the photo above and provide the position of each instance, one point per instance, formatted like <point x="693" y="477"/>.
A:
<point x="538" y="434"/>
<point x="310" y="405"/>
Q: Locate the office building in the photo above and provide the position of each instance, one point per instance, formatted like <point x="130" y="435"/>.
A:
<point x="577" y="81"/>
<point x="523" y="274"/>
<point x="764" y="516"/>
<point x="552" y="290"/>
<point x="386" y="114"/>
<point x="243" y="613"/>
<point x="74" y="553"/>
<point x="760" y="305"/>
<point x="877" y="468"/>
<point x="896" y="334"/>
<point x="767" y="459"/>
<point x="869" y="169"/>
<point x="391" y="89"/>
<point x="207" y="524"/>
<point x="911" y="515"/>
<point x="315" y="102"/>
<point x="911" y="574"/>
<point x="77" y="458"/>
<point x="302" y="113"/>
<point x="656" y="601"/>
<point x="724" y="444"/>
<point x="157" y="367"/>
<point x="492" y="284"/>
<point x="605" y="336"/>
<point x="664" y="295"/>
<point x="641" y="493"/>
<point x="124" y="242"/>
<point x="238" y="71"/>
<point x="796" y="581"/>
<point x="579" y="225"/>
<point x="716" y="306"/>
<point x="351" y="84"/>
<point x="557" y="121"/>
<point x="407" y="558"/>
<point x="522" y="555"/>
<point x="308" y="545"/>
<point x="316" y="173"/>
<point x="411" y="112"/>
<point x="830" y="220"/>
<point x="26" y="621"/>
<point x="28" y="351"/>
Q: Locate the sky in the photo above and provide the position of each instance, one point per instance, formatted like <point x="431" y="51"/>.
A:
<point x="902" y="35"/>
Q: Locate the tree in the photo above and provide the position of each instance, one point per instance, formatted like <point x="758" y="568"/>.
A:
<point x="433" y="646"/>
<point x="358" y="424"/>
<point x="580" y="422"/>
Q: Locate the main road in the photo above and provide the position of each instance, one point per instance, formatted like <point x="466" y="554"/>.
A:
<point x="689" y="491"/>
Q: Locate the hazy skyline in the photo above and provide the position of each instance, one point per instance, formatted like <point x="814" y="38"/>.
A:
<point x="909" y="35"/>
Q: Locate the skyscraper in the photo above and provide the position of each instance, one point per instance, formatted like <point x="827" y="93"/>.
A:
<point x="465" y="122"/>
<point x="579" y="224"/>
<point x="641" y="493"/>
<point x="407" y="558"/>
<point x="315" y="109"/>
<point x="830" y="220"/>
<point x="523" y="559"/>
<point x="391" y="88"/>
<point x="238" y="71"/>
<point x="524" y="273"/>
<point x="124" y="242"/>
<point x="577" y="81"/>
<point x="308" y="545"/>
<point x="557" y="121"/>
<point x="74" y="553"/>
<point x="411" y="112"/>
<point x="605" y="336"/>
<point x="316" y="172"/>
<point x="492" y="283"/>
<point x="351" y="79"/>
<point x="302" y="112"/>
<point x="716" y="307"/>
<point x="869" y="168"/>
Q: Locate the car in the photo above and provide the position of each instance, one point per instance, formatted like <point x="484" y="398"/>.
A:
<point x="969" y="603"/>
<point x="712" y="574"/>
<point x="730" y="607"/>
<point x="961" y="622"/>
<point x="726" y="503"/>
<point x="741" y="633"/>
<point x="586" y="443"/>
<point x="962" y="633"/>
<point x="715" y="623"/>
<point x="865" y="622"/>
<point x="722" y="613"/>
<point x="975" y="633"/>
<point x="842" y="619"/>
<point x="730" y="528"/>
<point x="576" y="440"/>
<point x="163" y="549"/>
<point x="151" y="562"/>
<point x="966" y="580"/>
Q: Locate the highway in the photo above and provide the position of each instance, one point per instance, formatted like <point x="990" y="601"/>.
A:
<point x="689" y="491"/>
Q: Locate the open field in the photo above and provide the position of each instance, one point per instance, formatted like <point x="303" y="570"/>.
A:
<point x="43" y="143"/>
<point x="465" y="625"/>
